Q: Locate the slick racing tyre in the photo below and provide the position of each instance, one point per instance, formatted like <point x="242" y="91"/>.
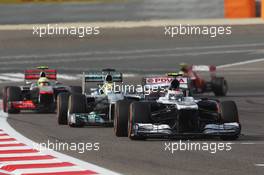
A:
<point x="229" y="114"/>
<point x="219" y="86"/>
<point x="121" y="117"/>
<point x="4" y="92"/>
<point x="139" y="113"/>
<point x="13" y="94"/>
<point x="77" y="104"/>
<point x="62" y="108"/>
<point x="75" y="89"/>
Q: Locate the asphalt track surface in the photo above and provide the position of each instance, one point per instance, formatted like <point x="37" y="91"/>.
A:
<point x="145" y="50"/>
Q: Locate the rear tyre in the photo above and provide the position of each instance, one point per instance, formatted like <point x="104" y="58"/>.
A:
<point x="229" y="114"/>
<point x="13" y="94"/>
<point x="75" y="89"/>
<point x="77" y="104"/>
<point x="4" y="92"/>
<point x="121" y="118"/>
<point x="139" y="113"/>
<point x="219" y="86"/>
<point x="62" y="108"/>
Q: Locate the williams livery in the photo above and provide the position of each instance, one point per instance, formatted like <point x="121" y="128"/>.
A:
<point x="38" y="94"/>
<point x="176" y="113"/>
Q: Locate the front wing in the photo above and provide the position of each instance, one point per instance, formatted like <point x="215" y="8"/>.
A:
<point x="165" y="131"/>
<point x="89" y="119"/>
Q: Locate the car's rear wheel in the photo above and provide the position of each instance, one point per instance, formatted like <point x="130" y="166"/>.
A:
<point x="219" y="86"/>
<point x="121" y="118"/>
<point x="4" y="92"/>
<point x="62" y="108"/>
<point x="13" y="94"/>
<point x="229" y="114"/>
<point x="77" y="105"/>
<point x="139" y="113"/>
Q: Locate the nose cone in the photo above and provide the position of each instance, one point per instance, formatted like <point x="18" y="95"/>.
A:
<point x="46" y="90"/>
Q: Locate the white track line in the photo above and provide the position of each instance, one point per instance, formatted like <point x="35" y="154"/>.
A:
<point x="259" y="164"/>
<point x="29" y="162"/>
<point x="48" y="170"/>
<point x="67" y="77"/>
<point x="9" y="142"/>
<point x="15" y="148"/>
<point x="133" y="52"/>
<point x="22" y="155"/>
<point x="241" y="63"/>
<point x="5" y="137"/>
<point x="147" y="23"/>
<point x="18" y="77"/>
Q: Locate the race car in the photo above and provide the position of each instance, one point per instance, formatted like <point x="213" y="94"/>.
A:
<point x="95" y="106"/>
<point x="38" y="94"/>
<point x="176" y="114"/>
<point x="216" y="84"/>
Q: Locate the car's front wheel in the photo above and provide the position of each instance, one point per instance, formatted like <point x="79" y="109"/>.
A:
<point x="62" y="108"/>
<point x="139" y="113"/>
<point x="77" y="105"/>
<point x="229" y="114"/>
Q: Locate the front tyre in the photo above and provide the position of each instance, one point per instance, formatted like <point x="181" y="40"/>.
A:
<point x="4" y="92"/>
<point x="229" y="114"/>
<point x="13" y="94"/>
<point x="62" y="108"/>
<point x="139" y="113"/>
<point x="121" y="117"/>
<point x="77" y="105"/>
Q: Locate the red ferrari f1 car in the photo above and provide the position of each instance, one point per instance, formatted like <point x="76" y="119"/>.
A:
<point x="200" y="84"/>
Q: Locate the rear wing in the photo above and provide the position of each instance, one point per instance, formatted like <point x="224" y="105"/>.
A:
<point x="34" y="74"/>
<point x="203" y="68"/>
<point x="163" y="81"/>
<point x="99" y="77"/>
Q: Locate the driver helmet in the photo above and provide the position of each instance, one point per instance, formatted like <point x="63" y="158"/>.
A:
<point x="184" y="67"/>
<point x="43" y="81"/>
<point x="42" y="74"/>
<point x="108" y="79"/>
<point x="175" y="84"/>
<point x="174" y="91"/>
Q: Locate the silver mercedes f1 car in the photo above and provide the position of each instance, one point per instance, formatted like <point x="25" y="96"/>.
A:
<point x="176" y="114"/>
<point x="94" y="106"/>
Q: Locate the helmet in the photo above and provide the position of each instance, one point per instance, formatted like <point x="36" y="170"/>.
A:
<point x="175" y="92"/>
<point x="175" y="84"/>
<point x="184" y="67"/>
<point x="43" y="81"/>
<point x="108" y="78"/>
<point x="42" y="74"/>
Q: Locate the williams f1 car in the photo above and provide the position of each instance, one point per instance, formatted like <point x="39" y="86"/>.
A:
<point x="176" y="114"/>
<point x="95" y="106"/>
<point x="38" y="94"/>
